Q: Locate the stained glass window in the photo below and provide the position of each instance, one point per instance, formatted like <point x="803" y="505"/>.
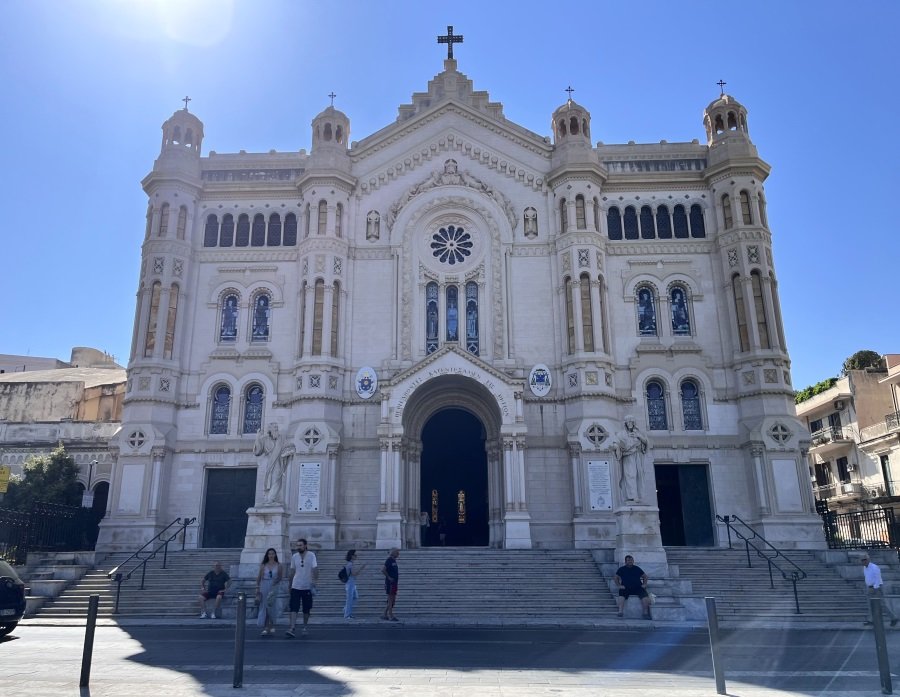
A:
<point x="434" y="506"/>
<point x="656" y="406"/>
<point x="261" y="310"/>
<point x="690" y="406"/>
<point x="579" y="213"/>
<point x="431" y="318"/>
<point x="451" y="245"/>
<point x="746" y="216"/>
<point x="253" y="409"/>
<point x="452" y="313"/>
<point x="461" y="506"/>
<point x="221" y="406"/>
<point x="472" y="318"/>
<point x="681" y="321"/>
<point x="646" y="309"/>
<point x="228" y="326"/>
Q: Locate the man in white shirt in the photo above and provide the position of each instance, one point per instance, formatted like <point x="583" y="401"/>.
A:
<point x="872" y="574"/>
<point x="303" y="578"/>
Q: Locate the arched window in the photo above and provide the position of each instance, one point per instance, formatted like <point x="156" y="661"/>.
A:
<point x="307" y="221"/>
<point x="759" y="304"/>
<point x="663" y="223"/>
<point x="562" y="127"/>
<point x="189" y="137"/>
<point x="253" y="408"/>
<point x="149" y="221"/>
<point x="261" y="313"/>
<point x="631" y="224"/>
<point x="452" y="313"/>
<point x="656" y="406"/>
<point x="338" y="220"/>
<point x="338" y="134"/>
<point x="220" y="410"/>
<point x="327" y="131"/>
<point x="472" y="318"/>
<point x="226" y="236"/>
<point x="573" y="125"/>
<point x="746" y="215"/>
<point x="150" y="338"/>
<point x="322" y="224"/>
<point x="570" y="316"/>
<point x="679" y="217"/>
<point x="596" y="214"/>
<point x="779" y="325"/>
<point x="335" y="317"/>
<point x="732" y="121"/>
<point x="585" y="129"/>
<point x="690" y="406"/>
<point x="304" y="290"/>
<point x="646" y="311"/>
<point x="258" y="232"/>
<point x="726" y="211"/>
<point x="681" y="319"/>
<point x="164" y="220"/>
<point x="647" y="231"/>
<point x="290" y="230"/>
<point x="182" y="222"/>
<point x="720" y="125"/>
<point x="318" y="315"/>
<point x="169" y="341"/>
<point x="211" y="234"/>
<point x="698" y="228"/>
<point x="580" y="221"/>
<point x="740" y="312"/>
<point x="273" y="238"/>
<point x="228" y="323"/>
<point x="176" y="135"/>
<point x="563" y="216"/>
<point x="762" y="210"/>
<point x="614" y="223"/>
<point x="587" y="316"/>
<point x="243" y="231"/>
<point x="431" y="318"/>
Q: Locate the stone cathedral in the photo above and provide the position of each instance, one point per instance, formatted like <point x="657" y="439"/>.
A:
<point x="450" y="331"/>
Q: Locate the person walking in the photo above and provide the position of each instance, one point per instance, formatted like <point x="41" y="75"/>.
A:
<point x="632" y="580"/>
<point x="872" y="575"/>
<point x="353" y="570"/>
<point x="304" y="575"/>
<point x="267" y="581"/>
<point x="391" y="581"/>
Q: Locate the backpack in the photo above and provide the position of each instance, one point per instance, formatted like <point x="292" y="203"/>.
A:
<point x="342" y="574"/>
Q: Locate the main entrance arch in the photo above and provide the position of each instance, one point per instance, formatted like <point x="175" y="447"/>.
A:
<point x="454" y="476"/>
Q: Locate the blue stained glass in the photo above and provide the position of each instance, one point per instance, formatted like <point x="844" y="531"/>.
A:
<point x="472" y="318"/>
<point x="452" y="314"/>
<point x="646" y="313"/>
<point x="221" y="406"/>
<point x="253" y="409"/>
<point x="451" y="245"/>
<point x="656" y="407"/>
<point x="261" y="311"/>
<point x="690" y="406"/>
<point x="228" y="329"/>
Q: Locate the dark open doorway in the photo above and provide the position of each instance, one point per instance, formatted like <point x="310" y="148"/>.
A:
<point x="455" y="479"/>
<point x="685" y="517"/>
<point x="229" y="493"/>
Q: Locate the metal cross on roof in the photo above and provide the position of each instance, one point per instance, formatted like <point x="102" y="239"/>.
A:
<point x="186" y="100"/>
<point x="569" y="90"/>
<point x="450" y="39"/>
<point x="721" y="84"/>
<point x="332" y="95"/>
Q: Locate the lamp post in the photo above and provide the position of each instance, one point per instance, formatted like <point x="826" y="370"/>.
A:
<point x="87" y="498"/>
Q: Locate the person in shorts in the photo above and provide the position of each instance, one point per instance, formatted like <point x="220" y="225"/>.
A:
<point x="213" y="587"/>
<point x="632" y="580"/>
<point x="303" y="577"/>
<point x="391" y="580"/>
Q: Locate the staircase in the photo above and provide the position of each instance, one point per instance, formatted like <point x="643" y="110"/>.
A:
<point x="744" y="595"/>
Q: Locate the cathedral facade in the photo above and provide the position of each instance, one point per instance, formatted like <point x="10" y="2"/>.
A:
<point x="452" y="324"/>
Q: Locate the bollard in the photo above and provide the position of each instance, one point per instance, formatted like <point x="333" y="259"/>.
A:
<point x="93" y="604"/>
<point x="884" y="668"/>
<point x="712" y="620"/>
<point x="239" y="627"/>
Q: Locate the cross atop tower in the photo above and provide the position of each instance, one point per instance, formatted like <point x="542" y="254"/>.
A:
<point x="569" y="90"/>
<point x="721" y="84"/>
<point x="450" y="39"/>
<point x="186" y="100"/>
<point x="332" y="95"/>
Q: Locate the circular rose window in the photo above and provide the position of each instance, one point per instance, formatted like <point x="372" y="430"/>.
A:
<point x="451" y="245"/>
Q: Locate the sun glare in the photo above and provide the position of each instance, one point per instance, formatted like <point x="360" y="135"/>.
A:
<point x="200" y="23"/>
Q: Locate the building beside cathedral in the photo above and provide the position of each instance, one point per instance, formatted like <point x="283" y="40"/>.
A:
<point x="455" y="316"/>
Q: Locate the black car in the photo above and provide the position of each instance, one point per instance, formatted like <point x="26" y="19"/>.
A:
<point x="12" y="598"/>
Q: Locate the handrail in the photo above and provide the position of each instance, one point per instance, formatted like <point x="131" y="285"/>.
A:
<point x="120" y="578"/>
<point x="149" y="542"/>
<point x="768" y="552"/>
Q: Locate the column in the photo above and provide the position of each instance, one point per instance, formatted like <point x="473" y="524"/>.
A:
<point x="508" y="501"/>
<point x="329" y="483"/>
<point x="577" y="477"/>
<point x="157" y="455"/>
<point x="310" y="300"/>
<point x="750" y="309"/>
<point x="576" y="311"/>
<point x="589" y="214"/>
<point x="756" y="451"/>
<point x="162" y="313"/>
<point x="519" y="451"/>
<point x="327" y="310"/>
<point x="597" y="318"/>
<point x="570" y="213"/>
<point x="385" y="469"/>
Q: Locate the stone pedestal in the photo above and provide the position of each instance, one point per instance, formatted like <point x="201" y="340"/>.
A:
<point x="388" y="532"/>
<point x="267" y="526"/>
<point x="517" y="531"/>
<point x="637" y="534"/>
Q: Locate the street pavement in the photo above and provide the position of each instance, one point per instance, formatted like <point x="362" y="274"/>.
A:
<point x="196" y="657"/>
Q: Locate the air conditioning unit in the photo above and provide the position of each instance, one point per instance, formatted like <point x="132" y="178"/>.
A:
<point x="839" y="405"/>
<point x="875" y="491"/>
<point x="851" y="466"/>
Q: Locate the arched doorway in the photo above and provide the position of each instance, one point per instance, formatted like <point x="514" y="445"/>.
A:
<point x="454" y="477"/>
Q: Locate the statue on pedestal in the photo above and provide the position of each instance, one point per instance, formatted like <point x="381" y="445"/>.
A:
<point x="629" y="447"/>
<point x="271" y="448"/>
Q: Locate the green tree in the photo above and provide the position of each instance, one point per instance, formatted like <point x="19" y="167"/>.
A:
<point x="860" y="360"/>
<point x="52" y="478"/>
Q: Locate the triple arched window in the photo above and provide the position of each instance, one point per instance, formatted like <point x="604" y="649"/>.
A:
<point x="220" y="409"/>
<point x="260" y="317"/>
<point x="274" y="231"/>
<point x="460" y="321"/>
<point x="662" y="223"/>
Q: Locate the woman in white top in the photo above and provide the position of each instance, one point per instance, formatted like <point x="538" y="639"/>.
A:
<point x="267" y="581"/>
<point x="352" y="594"/>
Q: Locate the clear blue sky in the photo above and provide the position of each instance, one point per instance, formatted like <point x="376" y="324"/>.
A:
<point x="88" y="83"/>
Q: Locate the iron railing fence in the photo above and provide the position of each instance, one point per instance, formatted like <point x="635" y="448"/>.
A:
<point x="47" y="527"/>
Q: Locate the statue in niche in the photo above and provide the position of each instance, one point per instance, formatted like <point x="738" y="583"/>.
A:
<point x="629" y="447"/>
<point x="373" y="226"/>
<point x="271" y="448"/>
<point x="531" y="223"/>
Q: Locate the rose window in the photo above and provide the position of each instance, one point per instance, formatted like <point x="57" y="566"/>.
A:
<point x="451" y="245"/>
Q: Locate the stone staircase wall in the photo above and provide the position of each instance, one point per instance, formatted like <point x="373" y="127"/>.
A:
<point x="48" y="574"/>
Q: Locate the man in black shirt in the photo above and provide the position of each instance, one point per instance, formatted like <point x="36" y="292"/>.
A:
<point x="213" y="587"/>
<point x="632" y="580"/>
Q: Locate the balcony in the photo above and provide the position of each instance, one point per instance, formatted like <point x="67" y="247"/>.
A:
<point x="830" y="439"/>
<point x="848" y="491"/>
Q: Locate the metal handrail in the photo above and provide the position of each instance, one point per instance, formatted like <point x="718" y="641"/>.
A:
<point x="765" y="551"/>
<point x="120" y="577"/>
